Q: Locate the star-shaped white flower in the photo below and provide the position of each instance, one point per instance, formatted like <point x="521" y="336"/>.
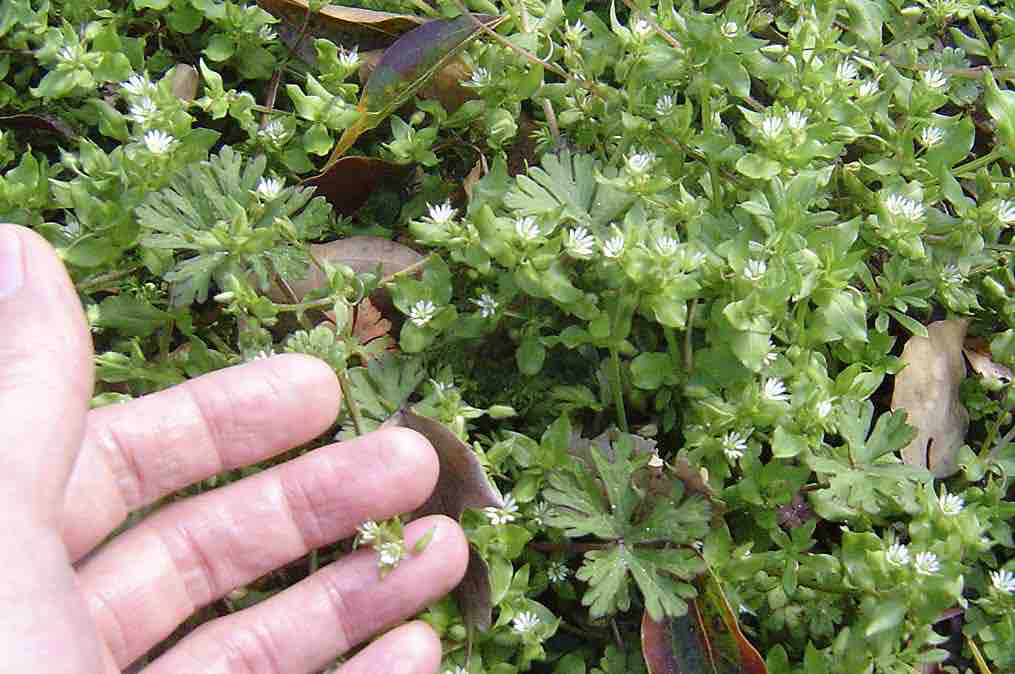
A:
<point x="926" y="563"/>
<point x="951" y="275"/>
<point x="138" y="85"/>
<point x="846" y="71"/>
<point x="441" y="214"/>
<point x="348" y="58"/>
<point x="487" y="305"/>
<point x="951" y="504"/>
<point x="270" y="188"/>
<point x="640" y="162"/>
<point x="274" y="131"/>
<point x="158" y="142"/>
<point x="579" y="243"/>
<point x="869" y="87"/>
<point x="505" y="515"/>
<point x="904" y="208"/>
<point x="664" y="105"/>
<point x="1006" y="212"/>
<point x="935" y="79"/>
<point x="525" y="622"/>
<point x="666" y="245"/>
<point x="457" y="670"/>
<point x="931" y="136"/>
<point x="641" y="27"/>
<point x="266" y="33"/>
<point x="1003" y="581"/>
<point x="558" y="572"/>
<point x="480" y="77"/>
<point x="730" y="29"/>
<point x="574" y="31"/>
<point x="774" y="390"/>
<point x="422" y="312"/>
<point x="142" y="111"/>
<point x="825" y="408"/>
<point x="755" y="270"/>
<point x="527" y="229"/>
<point x="734" y="445"/>
<point x="796" y="120"/>
<point x="897" y="554"/>
<point x="772" y="126"/>
<point x="613" y="247"/>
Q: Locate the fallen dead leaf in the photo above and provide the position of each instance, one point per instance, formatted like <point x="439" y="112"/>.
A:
<point x="445" y="85"/>
<point x="185" y="81"/>
<point x="345" y="26"/>
<point x="348" y="183"/>
<point x="360" y="253"/>
<point x="461" y="484"/>
<point x="978" y="354"/>
<point x="475" y="175"/>
<point x="928" y="389"/>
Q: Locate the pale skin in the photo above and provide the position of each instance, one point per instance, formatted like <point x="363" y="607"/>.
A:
<point x="72" y="601"/>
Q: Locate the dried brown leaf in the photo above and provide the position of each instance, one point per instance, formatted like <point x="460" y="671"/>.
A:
<point x="360" y="253"/>
<point x="928" y="389"/>
<point x="185" y="81"/>
<point x="369" y="324"/>
<point x="347" y="26"/>
<point x="978" y="354"/>
<point x="350" y="181"/>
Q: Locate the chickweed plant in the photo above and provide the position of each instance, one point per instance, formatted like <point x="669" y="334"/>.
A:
<point x="667" y="258"/>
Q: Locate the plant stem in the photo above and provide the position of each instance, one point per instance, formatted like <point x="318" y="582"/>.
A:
<point x="688" y="346"/>
<point x="94" y="283"/>
<point x="354" y="412"/>
<point x="618" y="391"/>
<point x="672" y="346"/>
<point x="979" y="162"/>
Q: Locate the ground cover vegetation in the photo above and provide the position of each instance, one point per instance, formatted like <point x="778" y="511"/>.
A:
<point x="707" y="306"/>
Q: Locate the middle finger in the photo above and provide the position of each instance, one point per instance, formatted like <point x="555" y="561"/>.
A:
<point x="145" y="583"/>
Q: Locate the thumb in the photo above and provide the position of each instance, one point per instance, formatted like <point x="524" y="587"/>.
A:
<point x="45" y="375"/>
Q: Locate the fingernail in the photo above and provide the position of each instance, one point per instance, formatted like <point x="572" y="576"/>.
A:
<point x="11" y="268"/>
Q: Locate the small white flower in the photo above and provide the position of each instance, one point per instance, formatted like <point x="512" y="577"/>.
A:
<point x="270" y="188"/>
<point x="143" y="111"/>
<point x="935" y="79"/>
<point x="640" y="162"/>
<point x="734" y="445"/>
<point x="525" y="622"/>
<point x="274" y="131"/>
<point x="772" y="126"/>
<point x="422" y="312"/>
<point x="390" y="553"/>
<point x="138" y="85"/>
<point x="558" y="572"/>
<point x="457" y="670"/>
<point x="951" y="275"/>
<point x="905" y="208"/>
<point x="666" y="245"/>
<point x="869" y="87"/>
<point x="70" y="54"/>
<point x="579" y="243"/>
<point x="796" y="120"/>
<point x="897" y="554"/>
<point x="656" y="461"/>
<point x="926" y="564"/>
<point x="755" y="270"/>
<point x="264" y="354"/>
<point x="480" y="76"/>
<point x="348" y="58"/>
<point x="266" y="33"/>
<point x="641" y="27"/>
<point x="664" y="105"/>
<point x="951" y="504"/>
<point x="613" y="247"/>
<point x="441" y="214"/>
<point x="487" y="305"/>
<point x="1006" y="212"/>
<point x="931" y="136"/>
<point x="770" y="357"/>
<point x="774" y="390"/>
<point x="158" y="142"/>
<point x="825" y="408"/>
<point x="527" y="229"/>
<point x="1003" y="581"/>
<point x="846" y="71"/>
<point x="574" y="31"/>
<point x="730" y="29"/>
<point x="368" y="531"/>
<point x="505" y="515"/>
<point x="539" y="511"/>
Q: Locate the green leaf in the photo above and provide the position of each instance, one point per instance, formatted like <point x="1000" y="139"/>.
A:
<point x="649" y="370"/>
<point x="606" y="573"/>
<point x="758" y="167"/>
<point x="317" y="140"/>
<point x="786" y="445"/>
<point x="866" y="18"/>
<point x="220" y="48"/>
<point x="840" y="315"/>
<point x="530" y="356"/>
<point x="1001" y="108"/>
<point x="131" y="316"/>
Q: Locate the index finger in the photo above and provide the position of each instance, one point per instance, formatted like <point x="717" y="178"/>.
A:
<point x="135" y="453"/>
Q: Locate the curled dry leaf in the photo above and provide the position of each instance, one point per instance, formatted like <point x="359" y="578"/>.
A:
<point x="346" y="26"/>
<point x="977" y="351"/>
<point x="38" y="122"/>
<point x="185" y="81"/>
<point x="707" y="640"/>
<point x="445" y="85"/>
<point x="461" y="484"/>
<point x="928" y="389"/>
<point x="360" y="253"/>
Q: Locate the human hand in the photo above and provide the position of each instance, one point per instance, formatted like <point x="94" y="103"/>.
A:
<point x="71" y="476"/>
